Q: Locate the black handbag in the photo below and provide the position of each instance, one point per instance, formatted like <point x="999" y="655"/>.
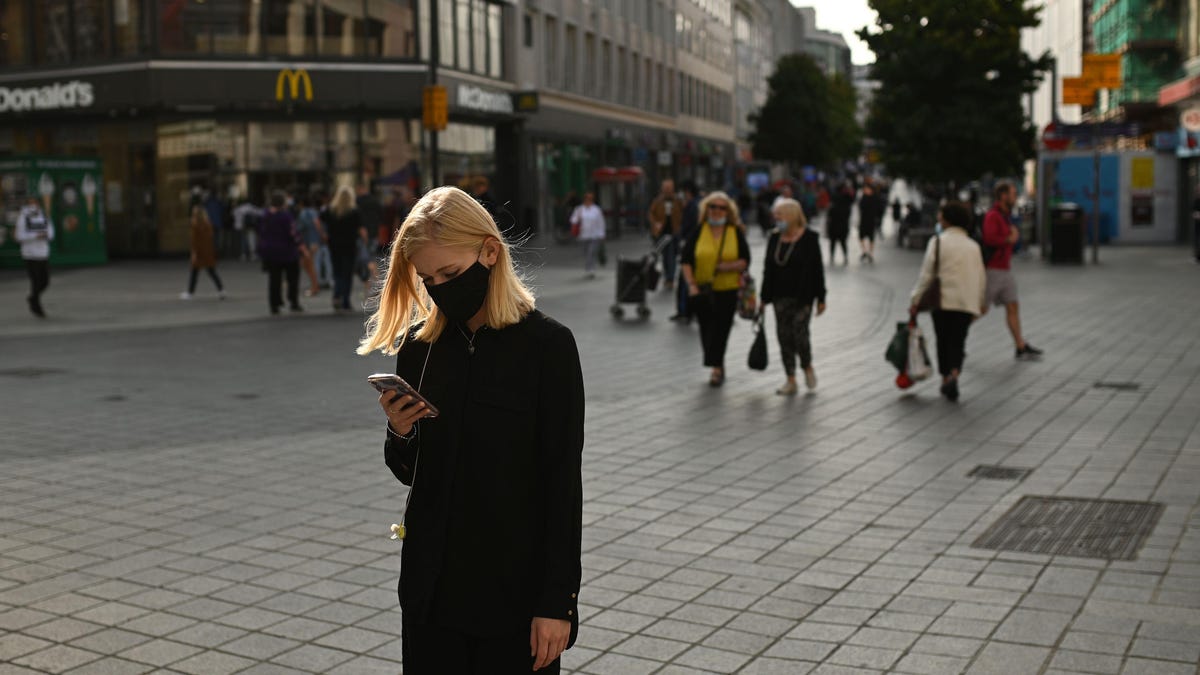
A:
<point x="931" y="299"/>
<point x="758" y="350"/>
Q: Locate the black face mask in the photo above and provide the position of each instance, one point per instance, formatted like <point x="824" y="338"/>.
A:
<point x="461" y="297"/>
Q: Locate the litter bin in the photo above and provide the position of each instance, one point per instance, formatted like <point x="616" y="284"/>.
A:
<point x="1066" y="234"/>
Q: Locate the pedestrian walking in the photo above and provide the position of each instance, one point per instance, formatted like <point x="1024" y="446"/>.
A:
<point x="953" y="259"/>
<point x="871" y="207"/>
<point x="246" y="219"/>
<point x="838" y="227"/>
<point x="491" y="561"/>
<point x="280" y="248"/>
<point x="999" y="238"/>
<point x="687" y="225"/>
<point x="308" y="227"/>
<point x="793" y="280"/>
<point x="588" y="218"/>
<point x="666" y="218"/>
<point x="346" y="234"/>
<point x="34" y="233"/>
<point x="370" y="212"/>
<point x="713" y="261"/>
<point x="204" y="254"/>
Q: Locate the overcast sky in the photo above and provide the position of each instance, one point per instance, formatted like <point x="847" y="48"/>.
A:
<point x="845" y="17"/>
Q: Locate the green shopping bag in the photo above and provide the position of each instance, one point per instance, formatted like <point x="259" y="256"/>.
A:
<point x="897" y="349"/>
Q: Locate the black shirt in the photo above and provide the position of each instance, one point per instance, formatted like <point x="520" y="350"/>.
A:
<point x="343" y="232"/>
<point x="801" y="275"/>
<point x="495" y="520"/>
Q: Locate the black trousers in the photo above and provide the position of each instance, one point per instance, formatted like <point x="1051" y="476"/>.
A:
<point x="212" y="273"/>
<point x="791" y="327"/>
<point x="39" y="277"/>
<point x="715" y="314"/>
<point x="275" y="272"/>
<point x="951" y="330"/>
<point x="436" y="650"/>
<point x="833" y="244"/>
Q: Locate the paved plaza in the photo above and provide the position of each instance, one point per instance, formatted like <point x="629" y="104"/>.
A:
<point x="197" y="487"/>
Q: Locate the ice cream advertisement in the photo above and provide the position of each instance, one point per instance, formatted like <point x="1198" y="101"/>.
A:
<point x="67" y="190"/>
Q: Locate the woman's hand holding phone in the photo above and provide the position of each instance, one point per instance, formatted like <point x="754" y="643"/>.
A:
<point x="402" y="410"/>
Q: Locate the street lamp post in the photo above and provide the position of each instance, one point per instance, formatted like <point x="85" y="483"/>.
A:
<point x="435" y="55"/>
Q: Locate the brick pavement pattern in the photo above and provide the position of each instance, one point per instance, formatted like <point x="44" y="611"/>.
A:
<point x="198" y="488"/>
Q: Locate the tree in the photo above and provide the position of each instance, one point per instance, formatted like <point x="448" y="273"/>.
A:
<point x="951" y="75"/>
<point x="808" y="118"/>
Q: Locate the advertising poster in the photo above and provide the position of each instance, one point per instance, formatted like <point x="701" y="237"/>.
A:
<point x="69" y="190"/>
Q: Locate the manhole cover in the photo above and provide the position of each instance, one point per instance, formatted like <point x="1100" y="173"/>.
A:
<point x="1119" y="386"/>
<point x="1086" y="528"/>
<point x="993" y="472"/>
<point x="30" y="373"/>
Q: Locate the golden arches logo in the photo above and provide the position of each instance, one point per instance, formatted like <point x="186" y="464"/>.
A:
<point x="293" y="78"/>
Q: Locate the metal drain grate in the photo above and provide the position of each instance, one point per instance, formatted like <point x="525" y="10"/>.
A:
<point x="1087" y="528"/>
<point x="995" y="472"/>
<point x="1119" y="386"/>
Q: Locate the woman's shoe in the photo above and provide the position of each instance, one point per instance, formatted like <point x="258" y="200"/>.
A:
<point x="810" y="379"/>
<point x="717" y="379"/>
<point x="950" y="389"/>
<point x="788" y="389"/>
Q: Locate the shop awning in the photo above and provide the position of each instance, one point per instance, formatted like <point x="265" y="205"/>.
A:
<point x="1179" y="90"/>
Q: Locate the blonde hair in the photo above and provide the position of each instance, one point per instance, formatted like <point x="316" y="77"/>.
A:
<point x="445" y="216"/>
<point x="732" y="216"/>
<point x="199" y="215"/>
<point x="792" y="212"/>
<point x="343" y="201"/>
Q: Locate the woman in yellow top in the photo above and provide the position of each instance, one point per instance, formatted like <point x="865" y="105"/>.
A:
<point x="714" y="257"/>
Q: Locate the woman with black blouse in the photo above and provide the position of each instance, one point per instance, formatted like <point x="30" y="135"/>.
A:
<point x="491" y="561"/>
<point x="793" y="279"/>
<point x="714" y="257"/>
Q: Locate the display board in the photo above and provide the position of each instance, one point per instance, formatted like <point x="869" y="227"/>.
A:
<point x="69" y="191"/>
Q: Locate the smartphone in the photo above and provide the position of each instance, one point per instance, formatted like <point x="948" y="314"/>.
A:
<point x="389" y="382"/>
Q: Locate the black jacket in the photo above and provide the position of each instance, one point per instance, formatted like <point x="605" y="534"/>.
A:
<point x="802" y="275"/>
<point x="494" y="524"/>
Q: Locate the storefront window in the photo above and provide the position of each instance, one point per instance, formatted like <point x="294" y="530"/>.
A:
<point x="391" y="29"/>
<point x="290" y="27"/>
<point x="183" y="26"/>
<point x="91" y="30"/>
<point x="52" y="31"/>
<point x="14" y="35"/>
<point x="467" y="151"/>
<point x="127" y="25"/>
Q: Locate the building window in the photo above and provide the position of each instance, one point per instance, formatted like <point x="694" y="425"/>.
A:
<point x="391" y="29"/>
<point x="91" y="35"/>
<point x="52" y="31"/>
<point x="495" y="41"/>
<point x="551" y="51"/>
<point x="527" y="29"/>
<point x="289" y="28"/>
<point x="446" y="32"/>
<point x="589" y="64"/>
<point x="606" y="66"/>
<point x="570" y="62"/>
<point x="14" y="44"/>
<point x="479" y="37"/>
<point x="462" y="34"/>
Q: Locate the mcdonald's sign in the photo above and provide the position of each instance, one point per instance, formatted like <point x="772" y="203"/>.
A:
<point x="293" y="78"/>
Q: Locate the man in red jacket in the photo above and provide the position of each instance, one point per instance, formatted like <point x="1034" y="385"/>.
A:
<point x="999" y="237"/>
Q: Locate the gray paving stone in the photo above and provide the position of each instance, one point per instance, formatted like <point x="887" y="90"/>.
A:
<point x="716" y="660"/>
<point x="111" y="666"/>
<point x="56" y="659"/>
<point x="1003" y="658"/>
<point x="159" y="652"/>
<point x="1033" y="627"/>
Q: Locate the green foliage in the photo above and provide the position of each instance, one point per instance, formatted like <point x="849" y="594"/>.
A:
<point x="952" y="75"/>
<point x="808" y="118"/>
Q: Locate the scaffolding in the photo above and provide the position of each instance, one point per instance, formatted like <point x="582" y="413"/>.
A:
<point x="1145" y="33"/>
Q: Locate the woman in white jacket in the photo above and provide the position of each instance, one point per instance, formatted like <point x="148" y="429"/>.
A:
<point x="955" y="259"/>
<point x="589" y="218"/>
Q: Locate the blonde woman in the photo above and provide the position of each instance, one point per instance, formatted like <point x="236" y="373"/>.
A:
<point x="204" y="253"/>
<point x="714" y="257"/>
<point x="793" y="280"/>
<point x="491" y="561"/>
<point x="346" y="233"/>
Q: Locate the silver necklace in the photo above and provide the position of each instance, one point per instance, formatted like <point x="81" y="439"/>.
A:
<point x="470" y="340"/>
<point x="788" y="255"/>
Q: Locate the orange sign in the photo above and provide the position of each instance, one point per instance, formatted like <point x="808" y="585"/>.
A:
<point x="1102" y="70"/>
<point x="1078" y="91"/>
<point x="435" y="109"/>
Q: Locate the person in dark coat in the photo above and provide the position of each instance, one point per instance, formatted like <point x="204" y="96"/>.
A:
<point x="347" y="235"/>
<point x="687" y="225"/>
<point x="490" y="569"/>
<point x="838" y="228"/>
<point x="793" y="280"/>
<point x="279" y="247"/>
<point x="871" y="207"/>
<point x="714" y="258"/>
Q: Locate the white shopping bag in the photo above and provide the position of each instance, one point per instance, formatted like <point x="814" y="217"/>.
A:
<point x="918" y="358"/>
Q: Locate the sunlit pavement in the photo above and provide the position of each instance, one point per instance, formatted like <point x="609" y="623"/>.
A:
<point x="197" y="487"/>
